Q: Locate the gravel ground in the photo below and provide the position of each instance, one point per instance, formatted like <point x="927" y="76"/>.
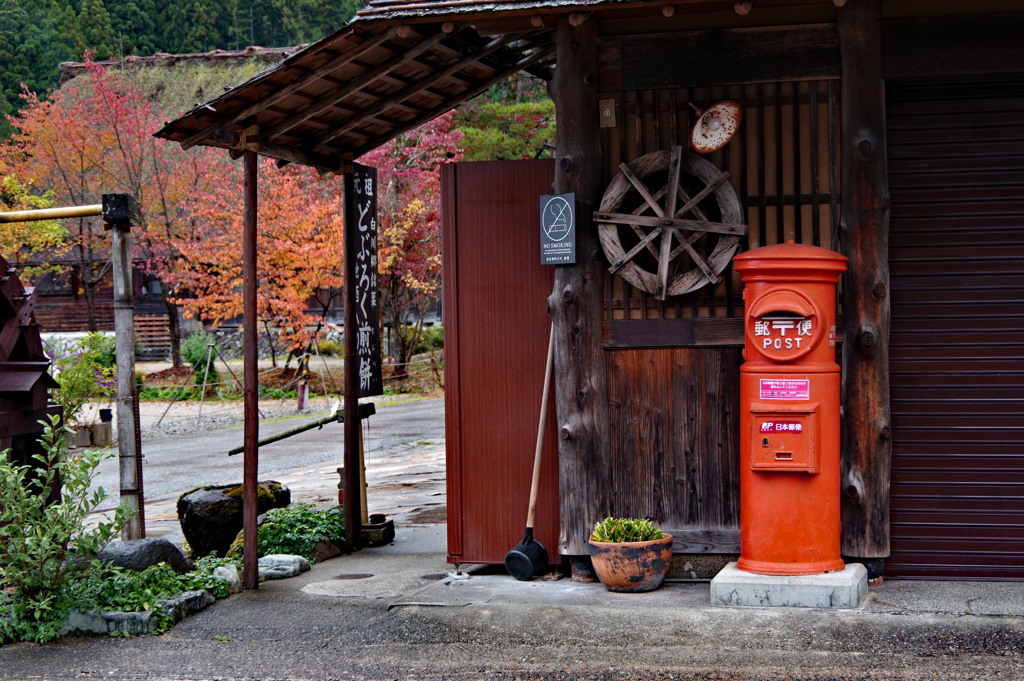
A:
<point x="221" y="415"/>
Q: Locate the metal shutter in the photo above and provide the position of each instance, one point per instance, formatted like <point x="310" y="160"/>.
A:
<point x="956" y="177"/>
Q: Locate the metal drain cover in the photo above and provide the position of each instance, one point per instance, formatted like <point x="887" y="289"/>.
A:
<point x="358" y="575"/>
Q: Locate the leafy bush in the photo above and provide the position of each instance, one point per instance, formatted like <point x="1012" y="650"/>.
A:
<point x="433" y="339"/>
<point x="168" y="394"/>
<point x="44" y="546"/>
<point x="82" y="370"/>
<point x="196" y="351"/>
<point x="330" y="348"/>
<point x="620" y="530"/>
<point x="296" y="529"/>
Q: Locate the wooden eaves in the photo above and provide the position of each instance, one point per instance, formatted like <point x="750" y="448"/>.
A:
<point x="359" y="88"/>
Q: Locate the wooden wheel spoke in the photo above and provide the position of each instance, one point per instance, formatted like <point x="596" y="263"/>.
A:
<point x="687" y="246"/>
<point x="673" y="181"/>
<point x="642" y="188"/>
<point x="692" y="203"/>
<point x="616" y="266"/>
<point x="697" y="212"/>
<point x="677" y="223"/>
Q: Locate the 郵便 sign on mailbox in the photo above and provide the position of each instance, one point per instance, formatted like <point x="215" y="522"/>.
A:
<point x="789" y="392"/>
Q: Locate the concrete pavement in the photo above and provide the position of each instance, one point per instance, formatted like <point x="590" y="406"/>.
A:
<point x="382" y="614"/>
<point x="385" y="613"/>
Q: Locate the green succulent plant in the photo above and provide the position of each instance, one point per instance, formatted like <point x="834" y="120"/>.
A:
<point x="620" y="530"/>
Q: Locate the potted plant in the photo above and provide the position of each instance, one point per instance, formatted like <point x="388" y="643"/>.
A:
<point x="630" y="554"/>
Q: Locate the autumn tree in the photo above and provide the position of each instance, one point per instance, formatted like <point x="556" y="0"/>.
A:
<point x="300" y="232"/>
<point x="95" y="137"/>
<point x="409" y="228"/>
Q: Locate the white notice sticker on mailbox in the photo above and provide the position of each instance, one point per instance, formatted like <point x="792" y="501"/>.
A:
<point x="785" y="389"/>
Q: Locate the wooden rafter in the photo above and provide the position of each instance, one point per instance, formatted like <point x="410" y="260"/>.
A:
<point x="414" y="89"/>
<point x="293" y="87"/>
<point x="532" y="59"/>
<point x="329" y="100"/>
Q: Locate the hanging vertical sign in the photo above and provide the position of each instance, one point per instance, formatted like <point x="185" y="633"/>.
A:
<point x="558" y="229"/>
<point x="361" y="233"/>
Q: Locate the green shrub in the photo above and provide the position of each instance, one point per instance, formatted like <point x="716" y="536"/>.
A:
<point x="295" y="530"/>
<point x="330" y="348"/>
<point x="44" y="546"/>
<point x="619" y="530"/>
<point x="433" y="339"/>
<point x="105" y="348"/>
<point x="81" y="370"/>
<point x="196" y="351"/>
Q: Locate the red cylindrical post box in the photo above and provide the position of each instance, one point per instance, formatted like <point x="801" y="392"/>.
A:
<point x="789" y="425"/>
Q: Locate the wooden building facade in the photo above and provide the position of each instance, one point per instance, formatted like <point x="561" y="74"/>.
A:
<point x="890" y="131"/>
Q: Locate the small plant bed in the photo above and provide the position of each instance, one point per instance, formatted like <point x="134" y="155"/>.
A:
<point x="50" y="566"/>
<point x="299" y="530"/>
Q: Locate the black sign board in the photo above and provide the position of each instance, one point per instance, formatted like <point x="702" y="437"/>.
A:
<point x="558" y="229"/>
<point x="361" y="233"/>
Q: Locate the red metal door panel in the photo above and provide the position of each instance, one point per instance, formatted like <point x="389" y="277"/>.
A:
<point x="496" y="337"/>
<point x="956" y="169"/>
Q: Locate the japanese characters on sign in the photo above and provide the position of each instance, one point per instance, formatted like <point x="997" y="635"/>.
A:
<point x="361" y="232"/>
<point x="784" y="333"/>
<point x="558" y="229"/>
<point x="782" y="427"/>
<point x="785" y="389"/>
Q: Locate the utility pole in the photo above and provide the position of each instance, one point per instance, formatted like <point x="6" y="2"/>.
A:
<point x="120" y="212"/>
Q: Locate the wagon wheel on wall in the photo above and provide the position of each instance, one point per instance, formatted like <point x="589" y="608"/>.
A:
<point x="673" y="215"/>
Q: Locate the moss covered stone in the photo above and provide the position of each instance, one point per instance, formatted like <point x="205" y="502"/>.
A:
<point x="211" y="517"/>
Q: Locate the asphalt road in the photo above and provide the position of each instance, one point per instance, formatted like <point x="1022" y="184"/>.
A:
<point x="176" y="464"/>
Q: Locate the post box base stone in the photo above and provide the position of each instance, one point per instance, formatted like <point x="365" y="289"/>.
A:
<point x="843" y="589"/>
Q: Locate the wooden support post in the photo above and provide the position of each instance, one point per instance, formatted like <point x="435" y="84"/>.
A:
<point x="864" y="235"/>
<point x="581" y="388"/>
<point x="250" y="378"/>
<point x="353" y="494"/>
<point x="120" y="211"/>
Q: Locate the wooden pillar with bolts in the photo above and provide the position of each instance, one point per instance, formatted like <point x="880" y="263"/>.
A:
<point x="581" y="386"/>
<point x="864" y="236"/>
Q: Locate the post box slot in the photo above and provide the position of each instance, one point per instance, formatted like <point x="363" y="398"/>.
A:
<point x="787" y="438"/>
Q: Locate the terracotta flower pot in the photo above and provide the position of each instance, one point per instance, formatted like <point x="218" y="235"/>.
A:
<point x="632" y="566"/>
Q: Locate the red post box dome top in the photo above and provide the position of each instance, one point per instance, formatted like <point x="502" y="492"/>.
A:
<point x="790" y="262"/>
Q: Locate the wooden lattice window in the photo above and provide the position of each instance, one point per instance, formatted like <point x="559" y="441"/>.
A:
<point x="784" y="165"/>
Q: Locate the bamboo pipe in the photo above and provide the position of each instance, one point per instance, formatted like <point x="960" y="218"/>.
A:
<point x="52" y="213"/>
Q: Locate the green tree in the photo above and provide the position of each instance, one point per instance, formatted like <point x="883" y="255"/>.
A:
<point x="97" y="32"/>
<point x="502" y="131"/>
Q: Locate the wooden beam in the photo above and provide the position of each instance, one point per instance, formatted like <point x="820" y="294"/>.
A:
<point x="294" y="86"/>
<point x="250" y="378"/>
<point x="864" y="233"/>
<point x="283" y="152"/>
<point x="420" y="85"/>
<point x="676" y="223"/>
<point x="326" y="102"/>
<point x="455" y="101"/>
<point x="581" y="388"/>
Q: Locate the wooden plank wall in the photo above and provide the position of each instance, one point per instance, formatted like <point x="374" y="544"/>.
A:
<point x="783" y="173"/>
<point x="674" y="422"/>
<point x="673" y="365"/>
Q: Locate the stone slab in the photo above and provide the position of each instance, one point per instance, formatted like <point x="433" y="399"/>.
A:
<point x="844" y="589"/>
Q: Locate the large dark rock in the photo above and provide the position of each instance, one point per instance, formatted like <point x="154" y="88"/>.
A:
<point x="211" y="517"/>
<point x="139" y="554"/>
